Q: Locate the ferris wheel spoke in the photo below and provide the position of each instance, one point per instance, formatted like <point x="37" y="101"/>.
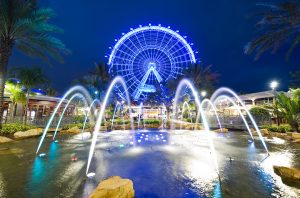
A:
<point x="136" y="46"/>
<point x="163" y="50"/>
<point x="121" y="58"/>
<point x="146" y="45"/>
<point x="133" y="52"/>
<point x="183" y="47"/>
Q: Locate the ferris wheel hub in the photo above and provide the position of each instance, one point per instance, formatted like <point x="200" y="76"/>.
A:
<point x="151" y="65"/>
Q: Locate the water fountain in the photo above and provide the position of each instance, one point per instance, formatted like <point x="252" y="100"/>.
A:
<point x="117" y="80"/>
<point x="95" y="101"/>
<point x="207" y="101"/>
<point x="75" y="89"/>
<point x="164" y="117"/>
<point x="239" y="111"/>
<point x="185" y="106"/>
<point x="140" y="113"/>
<point x="234" y="95"/>
<point x="186" y="83"/>
<point x="77" y="95"/>
<point x="118" y="107"/>
<point x="205" y="108"/>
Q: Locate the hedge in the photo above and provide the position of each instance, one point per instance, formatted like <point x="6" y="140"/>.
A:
<point x="15" y="127"/>
<point x="151" y="121"/>
<point x="281" y="128"/>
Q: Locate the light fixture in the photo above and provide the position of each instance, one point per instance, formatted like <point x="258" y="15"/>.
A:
<point x="274" y="84"/>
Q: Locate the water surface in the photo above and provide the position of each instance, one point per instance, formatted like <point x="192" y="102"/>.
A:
<point x="161" y="164"/>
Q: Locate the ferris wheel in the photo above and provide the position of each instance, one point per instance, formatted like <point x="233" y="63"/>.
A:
<point x="149" y="56"/>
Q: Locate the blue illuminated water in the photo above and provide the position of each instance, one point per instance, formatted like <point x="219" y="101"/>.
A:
<point x="180" y="166"/>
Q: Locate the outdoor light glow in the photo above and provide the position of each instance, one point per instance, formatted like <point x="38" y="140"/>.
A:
<point x="90" y="175"/>
<point x="42" y="155"/>
<point x="203" y="93"/>
<point x="274" y="84"/>
<point x="156" y="54"/>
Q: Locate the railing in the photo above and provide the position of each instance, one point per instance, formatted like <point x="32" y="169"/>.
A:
<point x="236" y="122"/>
<point x="39" y="121"/>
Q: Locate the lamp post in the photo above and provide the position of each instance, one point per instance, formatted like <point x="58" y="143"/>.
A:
<point x="96" y="93"/>
<point x="274" y="84"/>
<point x="203" y="94"/>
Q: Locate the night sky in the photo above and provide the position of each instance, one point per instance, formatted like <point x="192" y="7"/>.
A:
<point x="219" y="30"/>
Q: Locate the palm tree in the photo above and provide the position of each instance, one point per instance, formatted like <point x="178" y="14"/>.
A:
<point x="96" y="79"/>
<point x="289" y="107"/>
<point x="26" y="27"/>
<point x="203" y="77"/>
<point x="279" y="24"/>
<point x="16" y="95"/>
<point x="51" y="91"/>
<point x="295" y="79"/>
<point x="30" y="77"/>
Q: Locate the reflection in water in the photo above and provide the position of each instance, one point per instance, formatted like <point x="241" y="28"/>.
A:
<point x="41" y="171"/>
<point x="38" y="171"/>
<point x="53" y="151"/>
<point x="217" y="193"/>
<point x="2" y="185"/>
<point x="151" y="138"/>
<point x="274" y="181"/>
<point x="38" y="175"/>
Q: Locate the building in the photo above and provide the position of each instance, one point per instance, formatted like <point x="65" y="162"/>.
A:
<point x="39" y="106"/>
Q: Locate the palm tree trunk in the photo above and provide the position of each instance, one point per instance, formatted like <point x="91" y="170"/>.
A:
<point x="5" y="52"/>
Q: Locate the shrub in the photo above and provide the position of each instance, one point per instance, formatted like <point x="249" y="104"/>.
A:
<point x="282" y="128"/>
<point x="120" y="121"/>
<point x="187" y="119"/>
<point x="14" y="127"/>
<point x="79" y="125"/>
<point x="78" y="119"/>
<point x="260" y="115"/>
<point x="151" y="121"/>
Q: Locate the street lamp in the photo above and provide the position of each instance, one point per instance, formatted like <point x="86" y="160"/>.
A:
<point x="203" y="93"/>
<point x="274" y="84"/>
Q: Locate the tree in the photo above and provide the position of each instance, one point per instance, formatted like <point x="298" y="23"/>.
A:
<point x="16" y="95"/>
<point x="26" y="27"/>
<point x="51" y="91"/>
<point x="289" y="107"/>
<point x="203" y="77"/>
<point x="96" y="80"/>
<point x="30" y="77"/>
<point x="278" y="25"/>
<point x="261" y="115"/>
<point x="295" y="79"/>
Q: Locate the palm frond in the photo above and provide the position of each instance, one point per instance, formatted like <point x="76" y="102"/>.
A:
<point x="279" y="25"/>
<point x="29" y="29"/>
